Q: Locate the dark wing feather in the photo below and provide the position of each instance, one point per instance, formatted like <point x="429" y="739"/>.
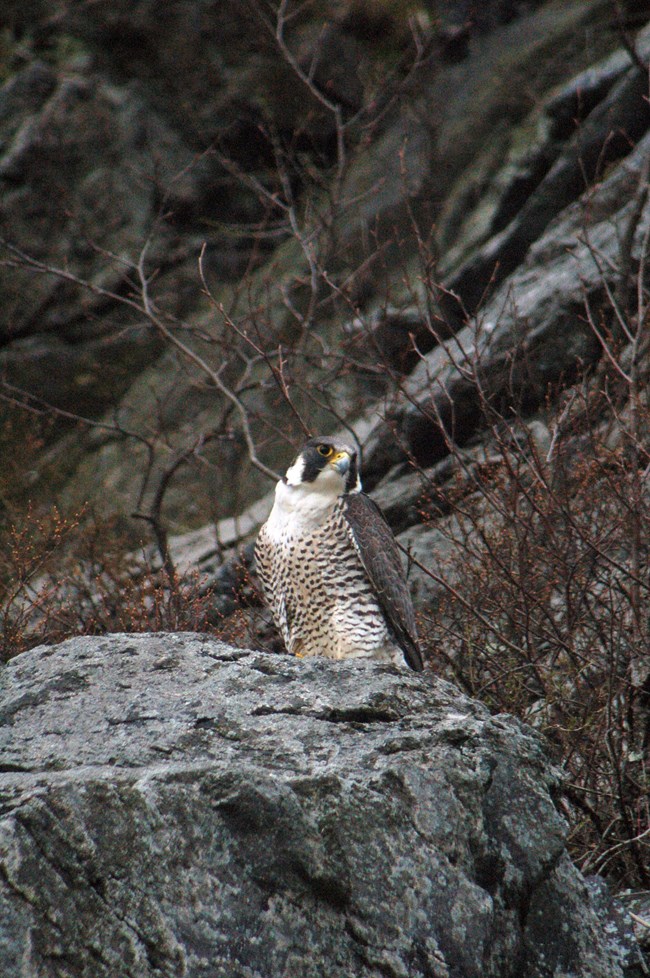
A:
<point x="379" y="554"/>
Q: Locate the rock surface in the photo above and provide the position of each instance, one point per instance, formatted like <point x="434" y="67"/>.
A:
<point x="176" y="807"/>
<point x="532" y="333"/>
<point x="113" y="121"/>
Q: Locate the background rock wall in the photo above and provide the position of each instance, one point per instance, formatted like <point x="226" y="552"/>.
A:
<point x="125" y="129"/>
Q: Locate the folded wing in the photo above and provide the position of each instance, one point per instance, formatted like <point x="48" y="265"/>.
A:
<point x="380" y="556"/>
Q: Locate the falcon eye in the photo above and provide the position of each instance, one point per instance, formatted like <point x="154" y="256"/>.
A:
<point x="325" y="450"/>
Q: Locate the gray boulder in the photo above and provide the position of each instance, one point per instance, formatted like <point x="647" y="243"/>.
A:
<point x="176" y="807"/>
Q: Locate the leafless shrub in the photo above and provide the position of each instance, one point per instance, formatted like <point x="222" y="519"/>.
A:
<point x="546" y="610"/>
<point x="66" y="576"/>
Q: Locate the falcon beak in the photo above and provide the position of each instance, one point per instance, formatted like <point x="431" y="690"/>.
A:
<point x="341" y="462"/>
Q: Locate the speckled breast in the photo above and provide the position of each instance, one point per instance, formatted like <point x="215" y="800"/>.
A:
<point x="319" y="594"/>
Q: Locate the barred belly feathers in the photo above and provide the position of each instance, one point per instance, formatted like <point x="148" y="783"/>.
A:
<point x="329" y="565"/>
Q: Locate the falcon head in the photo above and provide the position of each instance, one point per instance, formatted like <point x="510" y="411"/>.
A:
<point x="326" y="465"/>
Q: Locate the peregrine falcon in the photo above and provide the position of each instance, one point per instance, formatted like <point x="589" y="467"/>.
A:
<point x="329" y="565"/>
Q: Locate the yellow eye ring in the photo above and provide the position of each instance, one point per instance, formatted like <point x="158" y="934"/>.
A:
<point x="325" y="450"/>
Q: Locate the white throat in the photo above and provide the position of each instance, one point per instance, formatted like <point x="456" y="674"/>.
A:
<point x="302" y="508"/>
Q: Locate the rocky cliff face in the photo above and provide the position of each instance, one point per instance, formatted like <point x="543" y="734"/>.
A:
<point x="131" y="143"/>
<point x="172" y="806"/>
